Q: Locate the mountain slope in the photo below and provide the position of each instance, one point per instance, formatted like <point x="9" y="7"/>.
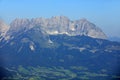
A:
<point x="62" y="52"/>
<point x="40" y="48"/>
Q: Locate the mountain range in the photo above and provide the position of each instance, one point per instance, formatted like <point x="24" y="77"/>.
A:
<point x="55" y="25"/>
<point x="58" y="46"/>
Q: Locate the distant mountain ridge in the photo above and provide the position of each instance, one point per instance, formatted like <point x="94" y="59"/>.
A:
<point x="114" y="39"/>
<point x="58" y="25"/>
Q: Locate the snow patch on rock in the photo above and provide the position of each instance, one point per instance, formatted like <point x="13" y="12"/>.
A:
<point x="32" y="47"/>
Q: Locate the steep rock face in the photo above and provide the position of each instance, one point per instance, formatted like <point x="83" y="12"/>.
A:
<point x="3" y="29"/>
<point x="84" y="27"/>
<point x="59" y="25"/>
<point x="19" y="25"/>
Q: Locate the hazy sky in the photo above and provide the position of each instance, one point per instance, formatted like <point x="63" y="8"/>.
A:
<point x="104" y="13"/>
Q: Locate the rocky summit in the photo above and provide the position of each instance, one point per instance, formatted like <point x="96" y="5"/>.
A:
<point x="3" y="29"/>
<point x="58" y="25"/>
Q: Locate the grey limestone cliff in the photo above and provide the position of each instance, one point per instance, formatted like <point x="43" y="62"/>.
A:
<point x="58" y="25"/>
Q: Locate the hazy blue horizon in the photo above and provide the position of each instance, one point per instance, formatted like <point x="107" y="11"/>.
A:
<point x="104" y="13"/>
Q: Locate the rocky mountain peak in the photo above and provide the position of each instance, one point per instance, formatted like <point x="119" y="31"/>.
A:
<point x="61" y="18"/>
<point x="19" y="24"/>
<point x="3" y="29"/>
<point x="83" y="20"/>
<point x="59" y="25"/>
